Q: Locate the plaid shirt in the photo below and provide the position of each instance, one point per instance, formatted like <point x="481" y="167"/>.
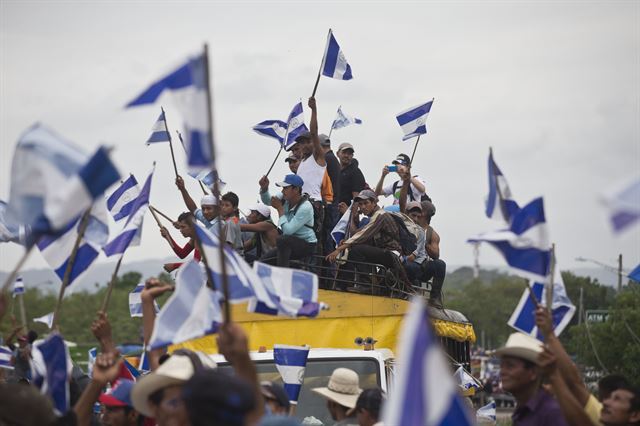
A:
<point x="381" y="231"/>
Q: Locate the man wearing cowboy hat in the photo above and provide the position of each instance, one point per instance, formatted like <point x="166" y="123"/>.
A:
<point x="521" y="376"/>
<point x="341" y="394"/>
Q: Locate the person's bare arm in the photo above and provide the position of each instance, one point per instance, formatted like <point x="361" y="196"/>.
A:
<point x="234" y="345"/>
<point x="318" y="153"/>
<point x="379" y="185"/>
<point x="418" y="185"/>
<point x="404" y="190"/>
<point x="153" y="288"/>
<point x="433" y="246"/>
<point x="101" y="329"/>
<point x="188" y="201"/>
<point x="566" y="367"/>
<point x="572" y="410"/>
<point x="105" y="370"/>
<point x="255" y="227"/>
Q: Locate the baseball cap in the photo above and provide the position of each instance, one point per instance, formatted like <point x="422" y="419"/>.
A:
<point x="304" y="135"/>
<point x="345" y="145"/>
<point x="208" y="200"/>
<point x="414" y="205"/>
<point x="119" y="395"/>
<point x="291" y="180"/>
<point x="290" y="158"/>
<point x="402" y="159"/>
<point x="263" y="209"/>
<point x="366" y="194"/>
<point x="324" y="139"/>
<point x="275" y="392"/>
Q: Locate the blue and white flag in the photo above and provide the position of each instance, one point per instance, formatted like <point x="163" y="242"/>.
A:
<point x="134" y="222"/>
<point x="6" y="356"/>
<point x="344" y="120"/>
<point x="635" y="274"/>
<point x="188" y="86"/>
<point x="121" y="201"/>
<point x="562" y="310"/>
<point x="51" y="370"/>
<point x="10" y="230"/>
<point x="91" y="360"/>
<point x="424" y="393"/>
<point x="18" y="287"/>
<point x="339" y="232"/>
<point x="45" y="319"/>
<point x="488" y="412"/>
<point x="289" y="292"/>
<point x="623" y="203"/>
<point x="291" y="362"/>
<point x="272" y="128"/>
<point x="135" y="302"/>
<point x="414" y="120"/>
<point x="159" y="131"/>
<point x="143" y="365"/>
<point x="465" y="380"/>
<point x="334" y="64"/>
<point x="525" y="245"/>
<point x="192" y="311"/>
<point x="56" y="249"/>
<point x="500" y="203"/>
<point x="295" y="125"/>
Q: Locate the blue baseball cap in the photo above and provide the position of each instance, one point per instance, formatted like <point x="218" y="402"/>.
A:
<point x="291" y="180"/>
<point x="119" y="395"/>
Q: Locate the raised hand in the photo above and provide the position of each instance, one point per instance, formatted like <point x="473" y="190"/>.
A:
<point x="107" y="367"/>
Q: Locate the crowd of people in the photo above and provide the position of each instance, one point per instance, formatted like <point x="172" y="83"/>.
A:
<point x="322" y="188"/>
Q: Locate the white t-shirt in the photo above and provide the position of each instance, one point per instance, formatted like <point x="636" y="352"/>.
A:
<point x="388" y="190"/>
<point x="312" y="174"/>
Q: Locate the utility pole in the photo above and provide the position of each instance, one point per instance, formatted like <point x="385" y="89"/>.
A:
<point x="581" y="306"/>
<point x="619" y="272"/>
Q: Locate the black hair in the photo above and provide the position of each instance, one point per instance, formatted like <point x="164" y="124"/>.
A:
<point x="371" y="400"/>
<point x="185" y="217"/>
<point x="232" y="198"/>
<point x="634" y="403"/>
<point x="32" y="336"/>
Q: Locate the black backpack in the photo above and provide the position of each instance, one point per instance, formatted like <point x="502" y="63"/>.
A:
<point x="408" y="240"/>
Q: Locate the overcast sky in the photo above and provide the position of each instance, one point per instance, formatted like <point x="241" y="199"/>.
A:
<point x="553" y="87"/>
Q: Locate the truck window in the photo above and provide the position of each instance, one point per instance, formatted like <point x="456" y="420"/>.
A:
<point x="317" y="375"/>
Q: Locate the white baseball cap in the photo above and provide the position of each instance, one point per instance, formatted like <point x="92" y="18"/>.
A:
<point x="208" y="200"/>
<point x="263" y="209"/>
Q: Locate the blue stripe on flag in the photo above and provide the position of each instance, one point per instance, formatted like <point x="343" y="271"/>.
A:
<point x="99" y="173"/>
<point x="332" y="57"/>
<point x="85" y="256"/>
<point x="527" y="322"/>
<point x="178" y="79"/>
<point x="414" y="113"/>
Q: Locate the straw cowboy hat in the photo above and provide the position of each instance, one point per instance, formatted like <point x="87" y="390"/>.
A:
<point x="175" y="371"/>
<point x="520" y="345"/>
<point x="343" y="387"/>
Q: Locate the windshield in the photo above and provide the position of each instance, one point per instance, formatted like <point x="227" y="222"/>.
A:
<point x="317" y="375"/>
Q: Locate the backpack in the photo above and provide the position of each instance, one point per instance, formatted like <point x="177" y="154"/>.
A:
<point x="406" y="233"/>
<point x="424" y="197"/>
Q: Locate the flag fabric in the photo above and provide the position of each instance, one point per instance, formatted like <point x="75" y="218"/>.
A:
<point x="192" y="311"/>
<point x="635" y="274"/>
<point x="128" y="371"/>
<point x="525" y="245"/>
<point x="295" y="125"/>
<point x="562" y="309"/>
<point x="290" y="292"/>
<point x="18" y="287"/>
<point x="45" y="319"/>
<point x="334" y="64"/>
<point x="488" y="412"/>
<point x="414" y="120"/>
<point x="51" y="371"/>
<point x="188" y="85"/>
<point x="121" y="201"/>
<point x="134" y="222"/>
<point x="6" y="355"/>
<point x="339" y="231"/>
<point x="291" y="362"/>
<point x="208" y="177"/>
<point x="135" y="302"/>
<point x="272" y="128"/>
<point x="159" y="131"/>
<point x="144" y="362"/>
<point x="424" y="393"/>
<point x="500" y="203"/>
<point x="465" y="380"/>
<point x="56" y="249"/>
<point x="10" y="231"/>
<point x="344" y="120"/>
<point x="623" y="203"/>
<point x="91" y="360"/>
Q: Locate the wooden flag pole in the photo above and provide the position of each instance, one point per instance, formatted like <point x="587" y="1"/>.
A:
<point x="532" y="296"/>
<point x="166" y="128"/>
<point x="12" y="276"/>
<point x="275" y="159"/>
<point x="84" y="222"/>
<point x="155" y="216"/>
<point x="223" y="263"/>
<point x="160" y="213"/>
<point x="550" y="283"/>
<point x="315" y="87"/>
<point x="23" y="311"/>
<point x="202" y="187"/>
<point x="112" y="283"/>
<point x="414" y="149"/>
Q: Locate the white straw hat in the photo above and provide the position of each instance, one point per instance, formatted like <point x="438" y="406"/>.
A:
<point x="520" y="345"/>
<point x="343" y="387"/>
